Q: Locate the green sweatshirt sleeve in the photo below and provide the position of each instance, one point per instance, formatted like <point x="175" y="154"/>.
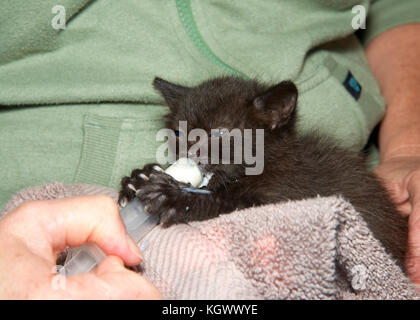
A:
<point x="386" y="14"/>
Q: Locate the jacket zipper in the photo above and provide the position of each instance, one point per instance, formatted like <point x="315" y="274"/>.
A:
<point x="187" y="19"/>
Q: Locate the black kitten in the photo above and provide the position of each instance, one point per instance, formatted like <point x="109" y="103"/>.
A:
<point x="295" y="167"/>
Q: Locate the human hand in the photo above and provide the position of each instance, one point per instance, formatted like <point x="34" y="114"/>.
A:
<point x="32" y="235"/>
<point x="401" y="174"/>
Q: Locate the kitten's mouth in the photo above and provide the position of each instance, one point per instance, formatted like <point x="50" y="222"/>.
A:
<point x="207" y="170"/>
<point x="206" y="176"/>
<point x="203" y="163"/>
<point x="203" y="168"/>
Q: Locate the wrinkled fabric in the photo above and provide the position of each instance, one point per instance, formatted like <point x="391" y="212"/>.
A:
<point x="317" y="248"/>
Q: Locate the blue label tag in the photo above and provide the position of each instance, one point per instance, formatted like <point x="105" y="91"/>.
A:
<point x="352" y="86"/>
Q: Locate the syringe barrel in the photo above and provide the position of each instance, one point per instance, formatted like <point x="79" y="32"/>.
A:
<point x="137" y="222"/>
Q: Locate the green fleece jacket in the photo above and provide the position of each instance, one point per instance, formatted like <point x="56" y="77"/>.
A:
<point x="77" y="105"/>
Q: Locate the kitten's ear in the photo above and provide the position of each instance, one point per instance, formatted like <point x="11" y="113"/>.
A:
<point x="172" y="93"/>
<point x="276" y="106"/>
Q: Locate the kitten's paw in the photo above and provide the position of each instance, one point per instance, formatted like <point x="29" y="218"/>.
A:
<point x="163" y="197"/>
<point x="138" y="178"/>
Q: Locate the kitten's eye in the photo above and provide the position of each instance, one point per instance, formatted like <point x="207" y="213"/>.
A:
<point x="178" y="133"/>
<point x="216" y="133"/>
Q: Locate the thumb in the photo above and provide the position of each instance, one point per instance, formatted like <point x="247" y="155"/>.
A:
<point x="125" y="284"/>
<point x="110" y="264"/>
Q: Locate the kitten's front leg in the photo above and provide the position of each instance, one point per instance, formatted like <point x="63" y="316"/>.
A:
<point x="165" y="197"/>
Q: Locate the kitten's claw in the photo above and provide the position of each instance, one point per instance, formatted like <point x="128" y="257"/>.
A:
<point x="137" y="179"/>
<point x="123" y="202"/>
<point x="161" y="194"/>
<point x="157" y="168"/>
<point x="163" y="197"/>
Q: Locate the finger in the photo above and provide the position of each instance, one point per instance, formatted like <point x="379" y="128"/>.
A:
<point x="413" y="264"/>
<point x="396" y="190"/>
<point x="110" y="280"/>
<point x="413" y="188"/>
<point x="125" y="283"/>
<point x="49" y="226"/>
<point x="413" y="257"/>
<point x="405" y="208"/>
<point x="110" y="264"/>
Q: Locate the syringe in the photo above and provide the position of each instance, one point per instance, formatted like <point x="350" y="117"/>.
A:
<point x="137" y="222"/>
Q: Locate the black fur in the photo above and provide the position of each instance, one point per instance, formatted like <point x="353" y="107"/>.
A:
<point x="295" y="167"/>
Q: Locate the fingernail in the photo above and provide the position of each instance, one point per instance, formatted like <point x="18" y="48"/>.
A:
<point x="134" y="248"/>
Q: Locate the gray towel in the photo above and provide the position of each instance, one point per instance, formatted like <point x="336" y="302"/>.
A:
<point x="310" y="249"/>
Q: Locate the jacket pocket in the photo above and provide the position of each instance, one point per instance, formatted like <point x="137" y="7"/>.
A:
<point x="112" y="147"/>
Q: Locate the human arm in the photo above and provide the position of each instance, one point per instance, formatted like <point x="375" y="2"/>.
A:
<point x="393" y="58"/>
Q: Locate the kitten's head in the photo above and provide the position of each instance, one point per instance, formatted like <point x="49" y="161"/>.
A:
<point x="229" y="103"/>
